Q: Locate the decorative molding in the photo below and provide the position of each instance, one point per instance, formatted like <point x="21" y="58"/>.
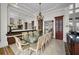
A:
<point x="54" y="11"/>
<point x="28" y="8"/>
<point x="11" y="9"/>
<point x="21" y="10"/>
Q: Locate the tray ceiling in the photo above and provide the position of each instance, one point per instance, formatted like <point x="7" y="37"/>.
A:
<point x="33" y="8"/>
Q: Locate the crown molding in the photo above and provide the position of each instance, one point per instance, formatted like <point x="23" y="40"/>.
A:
<point x="27" y="7"/>
<point x="26" y="12"/>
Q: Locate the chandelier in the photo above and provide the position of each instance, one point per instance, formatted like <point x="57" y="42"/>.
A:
<point x="40" y="17"/>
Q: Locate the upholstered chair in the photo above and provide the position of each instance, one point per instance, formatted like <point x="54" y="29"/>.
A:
<point x="21" y="45"/>
<point x="25" y="37"/>
<point x="36" y="47"/>
<point x="33" y="37"/>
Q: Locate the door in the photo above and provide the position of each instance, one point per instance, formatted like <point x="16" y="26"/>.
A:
<point x="59" y="27"/>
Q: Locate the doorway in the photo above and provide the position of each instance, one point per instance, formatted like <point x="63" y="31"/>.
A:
<point x="59" y="27"/>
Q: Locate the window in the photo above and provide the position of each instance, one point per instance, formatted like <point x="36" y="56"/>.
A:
<point x="77" y="5"/>
<point x="77" y="10"/>
<point x="71" y="6"/>
<point x="71" y="9"/>
<point x="11" y="21"/>
<point x="70" y="12"/>
<point x="77" y="26"/>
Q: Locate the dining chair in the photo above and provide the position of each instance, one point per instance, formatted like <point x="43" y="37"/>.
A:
<point x="43" y="43"/>
<point x="47" y="39"/>
<point x="21" y="45"/>
<point x="33" y="37"/>
<point x="25" y="37"/>
<point x="50" y="36"/>
<point x="37" y="47"/>
<point x="36" y="34"/>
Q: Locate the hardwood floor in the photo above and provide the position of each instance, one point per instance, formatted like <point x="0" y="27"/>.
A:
<point x="6" y="51"/>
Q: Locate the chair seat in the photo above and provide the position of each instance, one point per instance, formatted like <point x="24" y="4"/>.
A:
<point x="24" y="42"/>
<point x="24" y="47"/>
<point x="33" y="46"/>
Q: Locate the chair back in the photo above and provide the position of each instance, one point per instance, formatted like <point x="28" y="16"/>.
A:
<point x="43" y="41"/>
<point x="25" y="36"/>
<point x="36" y="33"/>
<point x="47" y="36"/>
<point x="39" y="43"/>
<point x="18" y="42"/>
<point x="50" y="35"/>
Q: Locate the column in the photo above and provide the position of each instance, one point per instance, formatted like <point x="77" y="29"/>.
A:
<point x="74" y="22"/>
<point x="0" y="24"/>
<point x="3" y="22"/>
<point x="65" y="23"/>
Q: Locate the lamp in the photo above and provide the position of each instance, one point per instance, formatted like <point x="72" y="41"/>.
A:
<point x="40" y="21"/>
<point x="39" y="17"/>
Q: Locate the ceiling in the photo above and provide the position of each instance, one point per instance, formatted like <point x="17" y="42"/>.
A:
<point x="33" y="8"/>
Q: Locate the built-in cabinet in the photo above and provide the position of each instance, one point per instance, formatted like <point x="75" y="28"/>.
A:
<point x="19" y="24"/>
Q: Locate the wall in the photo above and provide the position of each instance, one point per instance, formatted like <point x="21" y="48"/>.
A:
<point x="66" y="24"/>
<point x="17" y="14"/>
<point x="50" y="16"/>
<point x="47" y="16"/>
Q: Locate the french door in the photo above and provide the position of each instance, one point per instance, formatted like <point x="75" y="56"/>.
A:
<point x="59" y="27"/>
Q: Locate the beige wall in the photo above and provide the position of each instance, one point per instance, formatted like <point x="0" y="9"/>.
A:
<point x="60" y="12"/>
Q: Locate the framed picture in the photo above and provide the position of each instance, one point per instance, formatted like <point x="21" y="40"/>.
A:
<point x="11" y="21"/>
